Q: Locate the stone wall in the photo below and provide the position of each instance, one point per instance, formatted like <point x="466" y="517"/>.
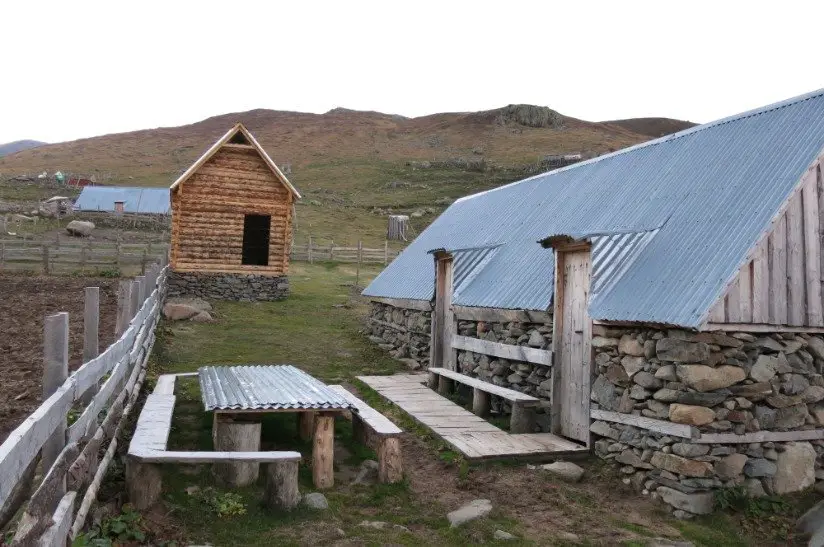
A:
<point x="716" y="383"/>
<point x="404" y="333"/>
<point x="528" y="378"/>
<point x="225" y="286"/>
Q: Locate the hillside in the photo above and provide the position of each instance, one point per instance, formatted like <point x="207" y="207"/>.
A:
<point x="352" y="167"/>
<point x="17" y="146"/>
<point x="652" y="127"/>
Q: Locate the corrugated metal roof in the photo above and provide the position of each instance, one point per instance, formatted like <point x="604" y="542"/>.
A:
<point x="671" y="220"/>
<point x="135" y="200"/>
<point x="265" y="387"/>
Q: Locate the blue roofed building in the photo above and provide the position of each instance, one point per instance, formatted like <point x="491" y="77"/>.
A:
<point x="150" y="201"/>
<point x="684" y="264"/>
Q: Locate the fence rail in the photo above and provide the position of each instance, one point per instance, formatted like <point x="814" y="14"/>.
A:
<point x="312" y="252"/>
<point x="50" y="256"/>
<point x="102" y="391"/>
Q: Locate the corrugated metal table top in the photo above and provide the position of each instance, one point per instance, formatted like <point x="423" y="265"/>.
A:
<point x="265" y="387"/>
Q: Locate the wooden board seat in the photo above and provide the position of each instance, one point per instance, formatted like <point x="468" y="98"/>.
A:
<point x="372" y="428"/>
<point x="492" y="389"/>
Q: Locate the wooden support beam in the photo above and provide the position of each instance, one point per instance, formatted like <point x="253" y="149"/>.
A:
<point x="480" y="402"/>
<point x="237" y="436"/>
<point x="506" y="351"/>
<point x="390" y="462"/>
<point x="323" y="448"/>
<point x="522" y="419"/>
<point x="280" y="491"/>
<point x="306" y="425"/>
<point x="650" y="424"/>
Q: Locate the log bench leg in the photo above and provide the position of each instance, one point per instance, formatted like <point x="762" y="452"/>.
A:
<point x="445" y="385"/>
<point x="306" y="425"/>
<point x="390" y="461"/>
<point x="281" y="486"/>
<point x="521" y="420"/>
<point x="323" y="473"/>
<point x="432" y="381"/>
<point x="144" y="483"/>
<point x="359" y="431"/>
<point x="480" y="402"/>
<point x="234" y="436"/>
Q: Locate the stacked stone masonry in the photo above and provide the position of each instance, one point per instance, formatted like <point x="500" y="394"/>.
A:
<point x="729" y="383"/>
<point x="404" y="333"/>
<point x="224" y="286"/>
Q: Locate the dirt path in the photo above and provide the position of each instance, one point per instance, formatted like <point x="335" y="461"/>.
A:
<point x="24" y="302"/>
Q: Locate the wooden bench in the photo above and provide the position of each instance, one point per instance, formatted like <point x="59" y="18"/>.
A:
<point x="522" y="415"/>
<point x="372" y="428"/>
<point x="147" y="451"/>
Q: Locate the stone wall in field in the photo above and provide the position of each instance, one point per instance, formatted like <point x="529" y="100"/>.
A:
<point x="725" y="387"/>
<point x="404" y="332"/>
<point x="225" y="286"/>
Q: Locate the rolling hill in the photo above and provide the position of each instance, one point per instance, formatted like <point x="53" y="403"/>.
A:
<point x="353" y="167"/>
<point x="17" y="146"/>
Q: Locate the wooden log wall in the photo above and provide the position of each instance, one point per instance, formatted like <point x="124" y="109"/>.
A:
<point x="781" y="283"/>
<point x="208" y="212"/>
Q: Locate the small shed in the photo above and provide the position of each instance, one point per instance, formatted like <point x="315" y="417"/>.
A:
<point x="232" y="214"/>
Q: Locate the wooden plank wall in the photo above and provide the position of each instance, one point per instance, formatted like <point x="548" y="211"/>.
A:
<point x="208" y="213"/>
<point x="781" y="284"/>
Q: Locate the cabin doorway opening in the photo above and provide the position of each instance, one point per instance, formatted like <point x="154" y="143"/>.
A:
<point x="256" y="240"/>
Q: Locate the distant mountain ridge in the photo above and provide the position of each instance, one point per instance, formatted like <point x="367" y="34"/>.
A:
<point x="652" y="127"/>
<point x="18" y="146"/>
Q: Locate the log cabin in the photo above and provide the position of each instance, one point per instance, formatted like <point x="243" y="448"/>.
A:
<point x="672" y="290"/>
<point x="232" y="214"/>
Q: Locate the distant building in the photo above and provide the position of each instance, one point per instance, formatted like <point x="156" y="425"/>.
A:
<point x="151" y="201"/>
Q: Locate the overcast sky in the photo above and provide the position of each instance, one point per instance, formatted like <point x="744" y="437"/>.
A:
<point x="73" y="69"/>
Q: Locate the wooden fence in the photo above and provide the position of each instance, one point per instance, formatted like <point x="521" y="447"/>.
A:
<point x="312" y="252"/>
<point x="53" y="257"/>
<point x="100" y="393"/>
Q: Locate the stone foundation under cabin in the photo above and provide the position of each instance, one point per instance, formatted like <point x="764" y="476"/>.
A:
<point x="721" y="409"/>
<point x="228" y="286"/>
<point x="406" y="334"/>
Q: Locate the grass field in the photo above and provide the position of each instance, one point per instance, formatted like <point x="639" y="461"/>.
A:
<point x="317" y="329"/>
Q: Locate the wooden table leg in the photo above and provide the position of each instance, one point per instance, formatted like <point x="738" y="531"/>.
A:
<point x="306" y="425"/>
<point x="237" y="436"/>
<point x="323" y="473"/>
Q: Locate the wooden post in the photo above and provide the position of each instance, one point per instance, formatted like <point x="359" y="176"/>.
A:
<point x="521" y="420"/>
<point x="331" y="251"/>
<point x="117" y="252"/>
<point x="124" y="299"/>
<point x="83" y="257"/>
<point x="141" y="290"/>
<point x="134" y="295"/>
<point x="432" y="381"/>
<point x="144" y="483"/>
<point x="2" y="256"/>
<point x="443" y="320"/>
<point x="143" y="263"/>
<point x="480" y="402"/>
<point x="309" y="250"/>
<point x="323" y="451"/>
<point x="281" y="487"/>
<point x="237" y="436"/>
<point x="306" y="425"/>
<point x="445" y="385"/>
<point x="46" y="259"/>
<point x="91" y="317"/>
<point x="386" y="252"/>
<point x="55" y="372"/>
<point x="357" y="273"/>
<point x="390" y="462"/>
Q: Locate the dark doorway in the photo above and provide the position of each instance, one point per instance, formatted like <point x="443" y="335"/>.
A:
<point x="239" y="138"/>
<point x="256" y="239"/>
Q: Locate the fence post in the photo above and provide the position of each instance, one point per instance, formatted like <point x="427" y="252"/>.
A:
<point x="2" y="256"/>
<point x="357" y="272"/>
<point x="55" y="372"/>
<point x="309" y="250"/>
<point x="83" y="257"/>
<point x="117" y="254"/>
<point x="91" y="339"/>
<point x="385" y="252"/>
<point x="124" y="299"/>
<point x="46" y="259"/>
<point x="141" y="291"/>
<point x="331" y="251"/>
<point x="143" y="263"/>
<point x="134" y="294"/>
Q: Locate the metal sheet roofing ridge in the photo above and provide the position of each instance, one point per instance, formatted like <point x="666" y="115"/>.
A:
<point x="659" y="140"/>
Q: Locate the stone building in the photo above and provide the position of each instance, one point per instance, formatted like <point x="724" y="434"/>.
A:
<point x="232" y="214"/>
<point x="664" y="300"/>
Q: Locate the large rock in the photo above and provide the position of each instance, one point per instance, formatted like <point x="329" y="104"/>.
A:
<point x="705" y="378"/>
<point x="616" y="374"/>
<point x="730" y="466"/>
<point x="690" y="450"/>
<point x="813" y="394"/>
<point x="647" y="380"/>
<point x="632" y="365"/>
<point x="201" y="317"/>
<point x="700" y="503"/>
<point x="718" y="339"/>
<point x="681" y="466"/>
<point x="811" y="524"/>
<point x="80" y="228"/>
<point x="673" y="349"/>
<point x="759" y="467"/>
<point x="816" y="347"/>
<point x="601" y="342"/>
<point x="702" y="399"/>
<point x="691" y="415"/>
<point x="177" y="312"/>
<point x="764" y="368"/>
<point x="629" y="345"/>
<point x="791" y="417"/>
<point x="796" y="468"/>
<point x="316" y="501"/>
<point x="628" y="457"/>
<point x="565" y="470"/>
<point x="471" y="511"/>
<point x="755" y="392"/>
<point x="666" y="373"/>
<point x="603" y="392"/>
<point x="192" y="302"/>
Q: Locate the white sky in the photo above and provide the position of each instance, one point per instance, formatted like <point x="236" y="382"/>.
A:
<point x="73" y="69"/>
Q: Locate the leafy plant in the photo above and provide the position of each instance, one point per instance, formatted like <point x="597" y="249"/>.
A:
<point x="109" y="272"/>
<point x="223" y="504"/>
<point x="737" y="499"/>
<point x="127" y="526"/>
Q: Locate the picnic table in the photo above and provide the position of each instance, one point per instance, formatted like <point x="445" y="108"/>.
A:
<point x="239" y="395"/>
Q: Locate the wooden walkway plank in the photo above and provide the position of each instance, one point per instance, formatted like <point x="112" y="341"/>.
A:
<point x="474" y="437"/>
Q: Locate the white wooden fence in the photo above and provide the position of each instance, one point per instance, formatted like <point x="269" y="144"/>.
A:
<point x="102" y="392"/>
